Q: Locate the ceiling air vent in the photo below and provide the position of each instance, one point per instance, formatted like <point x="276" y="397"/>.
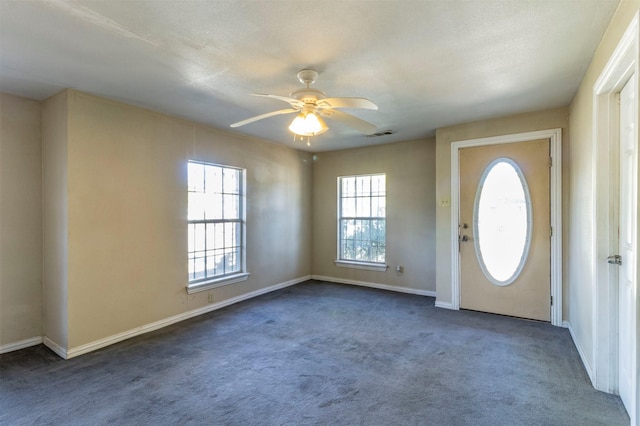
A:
<point x="385" y="133"/>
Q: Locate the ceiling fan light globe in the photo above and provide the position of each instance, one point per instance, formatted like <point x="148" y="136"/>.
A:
<point x="308" y="124"/>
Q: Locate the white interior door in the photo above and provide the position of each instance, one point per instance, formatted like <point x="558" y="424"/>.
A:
<point x="628" y="221"/>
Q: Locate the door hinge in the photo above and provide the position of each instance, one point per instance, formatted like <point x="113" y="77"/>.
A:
<point x="551" y="231"/>
<point x="550" y="161"/>
<point x="551" y="300"/>
<point x="616" y="259"/>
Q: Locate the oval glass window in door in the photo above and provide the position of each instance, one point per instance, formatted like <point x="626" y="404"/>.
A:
<point x="502" y="221"/>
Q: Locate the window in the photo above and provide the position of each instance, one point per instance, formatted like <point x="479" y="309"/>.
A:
<point x="215" y="225"/>
<point x="502" y="219"/>
<point x="361" y="221"/>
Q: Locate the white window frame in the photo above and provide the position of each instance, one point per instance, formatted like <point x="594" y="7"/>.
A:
<point x="349" y="263"/>
<point x="207" y="283"/>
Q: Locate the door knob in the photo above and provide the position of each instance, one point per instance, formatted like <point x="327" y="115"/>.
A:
<point x="616" y="259"/>
<point x="464" y="238"/>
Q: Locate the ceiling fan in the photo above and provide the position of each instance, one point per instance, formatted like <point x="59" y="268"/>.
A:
<point x="312" y="106"/>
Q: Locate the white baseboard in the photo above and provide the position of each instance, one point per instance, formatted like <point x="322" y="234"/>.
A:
<point x="101" y="343"/>
<point x="10" y="347"/>
<point x="107" y="341"/>
<point x="586" y="364"/>
<point x="444" y="305"/>
<point x="58" y="349"/>
<point x="375" y="285"/>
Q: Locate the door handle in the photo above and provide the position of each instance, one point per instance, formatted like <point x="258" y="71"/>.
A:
<point x="464" y="238"/>
<point x="616" y="259"/>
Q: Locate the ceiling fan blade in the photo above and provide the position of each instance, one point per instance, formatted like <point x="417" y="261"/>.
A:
<point x="260" y="117"/>
<point x="349" y="120"/>
<point x="292" y="101"/>
<point x="346" y="103"/>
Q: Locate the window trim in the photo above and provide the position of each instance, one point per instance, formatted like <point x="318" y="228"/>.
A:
<point x="203" y="284"/>
<point x="349" y="263"/>
<point x="197" y="286"/>
<point x="368" y="266"/>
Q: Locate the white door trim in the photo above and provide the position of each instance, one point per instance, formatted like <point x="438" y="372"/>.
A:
<point x="555" y="136"/>
<point x="622" y="66"/>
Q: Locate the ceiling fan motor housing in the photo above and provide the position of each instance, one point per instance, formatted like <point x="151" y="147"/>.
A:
<point x="308" y="96"/>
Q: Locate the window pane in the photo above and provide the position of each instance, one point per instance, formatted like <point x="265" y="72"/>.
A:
<point x="380" y="254"/>
<point x="213" y="206"/>
<point x="502" y="218"/>
<point x="362" y="227"/>
<point x="349" y="207"/>
<point x="348" y="228"/>
<point x="211" y="236"/>
<point x="229" y="234"/>
<point x="213" y="177"/>
<point x="231" y="207"/>
<point x="199" y="268"/>
<point x="378" y="207"/>
<point x="211" y="264"/>
<point x="218" y="241"/>
<point x="362" y="249"/>
<point x="196" y="206"/>
<point x="231" y="181"/>
<point x="363" y="207"/>
<point x="348" y="187"/>
<point x="231" y="261"/>
<point x="199" y="237"/>
<point x="219" y="262"/>
<point x="192" y="268"/>
<point x="378" y="230"/>
<point x="190" y="238"/>
<point x="378" y="183"/>
<point x="381" y="210"/>
<point x="195" y="177"/>
<point x="363" y="186"/>
<point x="347" y="250"/>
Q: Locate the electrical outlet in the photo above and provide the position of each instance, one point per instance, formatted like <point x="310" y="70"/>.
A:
<point x="445" y="202"/>
<point x="399" y="269"/>
<point x="210" y="297"/>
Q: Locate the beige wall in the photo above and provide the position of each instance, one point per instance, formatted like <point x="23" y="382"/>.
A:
<point x="540" y="120"/>
<point x="20" y="220"/>
<point x="127" y="204"/>
<point x="55" y="223"/>
<point x="410" y="168"/>
<point x="580" y="214"/>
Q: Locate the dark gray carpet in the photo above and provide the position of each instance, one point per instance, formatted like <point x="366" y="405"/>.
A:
<point x="317" y="353"/>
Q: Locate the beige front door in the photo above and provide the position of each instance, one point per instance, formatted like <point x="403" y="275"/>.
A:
<point x="505" y="233"/>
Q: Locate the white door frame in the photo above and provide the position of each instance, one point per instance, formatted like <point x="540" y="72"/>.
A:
<point x="622" y="66"/>
<point x="555" y="137"/>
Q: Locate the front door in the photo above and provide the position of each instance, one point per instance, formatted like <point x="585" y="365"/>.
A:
<point x="505" y="233"/>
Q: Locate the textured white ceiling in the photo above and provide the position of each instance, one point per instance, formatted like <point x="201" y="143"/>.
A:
<point x="426" y="63"/>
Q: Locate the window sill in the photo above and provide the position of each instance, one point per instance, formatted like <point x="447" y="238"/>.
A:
<point x="217" y="282"/>
<point x="362" y="265"/>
